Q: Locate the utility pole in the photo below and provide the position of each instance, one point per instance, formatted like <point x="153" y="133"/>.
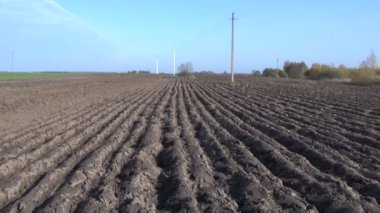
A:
<point x="157" y="65"/>
<point x="174" y="68"/>
<point x="232" y="48"/>
<point x="12" y="61"/>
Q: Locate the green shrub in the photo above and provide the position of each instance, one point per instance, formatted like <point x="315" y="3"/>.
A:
<point x="367" y="73"/>
<point x="295" y="70"/>
<point x="366" y="76"/>
<point x="313" y="72"/>
<point x="329" y="72"/>
<point x="318" y="72"/>
<point x="282" y="74"/>
<point x="377" y="71"/>
<point x="269" y="72"/>
<point x="256" y="73"/>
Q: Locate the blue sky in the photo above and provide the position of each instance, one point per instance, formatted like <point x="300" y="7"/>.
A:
<point x="119" y="35"/>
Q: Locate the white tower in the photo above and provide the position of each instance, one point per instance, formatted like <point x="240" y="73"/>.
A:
<point x="232" y="48"/>
<point x="12" y="60"/>
<point x="157" y="61"/>
<point x="174" y="68"/>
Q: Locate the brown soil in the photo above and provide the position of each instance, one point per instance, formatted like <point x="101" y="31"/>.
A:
<point x="130" y="143"/>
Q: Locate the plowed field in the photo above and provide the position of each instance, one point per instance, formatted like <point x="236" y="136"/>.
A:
<point x="128" y="144"/>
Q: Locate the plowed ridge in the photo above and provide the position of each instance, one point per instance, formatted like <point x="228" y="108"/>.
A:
<point x="201" y="145"/>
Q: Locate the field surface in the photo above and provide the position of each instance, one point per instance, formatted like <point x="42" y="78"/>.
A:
<point x="129" y="143"/>
<point x="29" y="75"/>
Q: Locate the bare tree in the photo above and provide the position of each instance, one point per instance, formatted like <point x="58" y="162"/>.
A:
<point x="370" y="61"/>
<point x="185" y="69"/>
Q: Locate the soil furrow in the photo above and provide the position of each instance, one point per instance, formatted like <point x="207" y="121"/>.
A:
<point x="64" y="117"/>
<point x="284" y="108"/>
<point x="297" y="99"/>
<point x="42" y="142"/>
<point x="21" y="161"/>
<point x="334" y="117"/>
<point x="89" y="139"/>
<point x="138" y="178"/>
<point x="154" y="143"/>
<point x="312" y="109"/>
<point x="248" y="113"/>
<point x="244" y="188"/>
<point x="174" y="191"/>
<point x="90" y="169"/>
<point x="324" y="134"/>
<point x="43" y="134"/>
<point x="359" y="131"/>
<point x="211" y="197"/>
<point x="285" y="197"/>
<point x="324" y="186"/>
<point x="104" y="197"/>
<point x="350" y="106"/>
<point x="13" y="134"/>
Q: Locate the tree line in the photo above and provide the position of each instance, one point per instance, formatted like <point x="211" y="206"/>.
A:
<point x="367" y="72"/>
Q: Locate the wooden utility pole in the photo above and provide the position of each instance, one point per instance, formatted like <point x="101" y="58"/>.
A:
<point x="232" y="47"/>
